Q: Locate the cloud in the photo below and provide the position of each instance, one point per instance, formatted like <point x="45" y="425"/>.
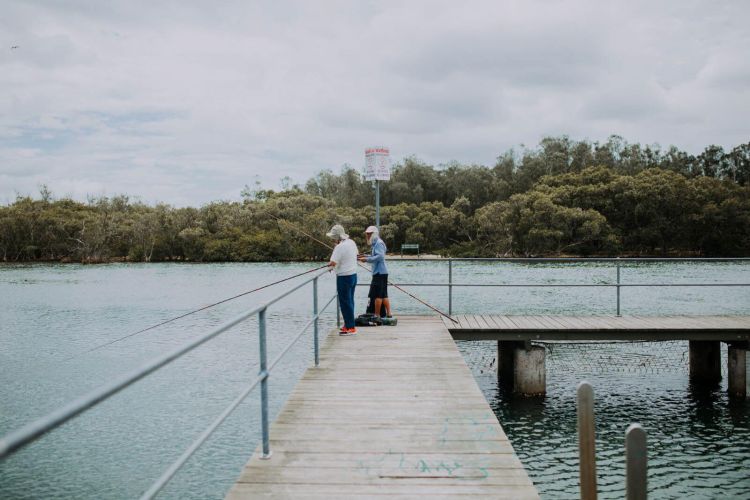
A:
<point x="187" y="102"/>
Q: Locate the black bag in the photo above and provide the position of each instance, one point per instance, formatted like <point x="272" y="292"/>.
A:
<point x="368" y="320"/>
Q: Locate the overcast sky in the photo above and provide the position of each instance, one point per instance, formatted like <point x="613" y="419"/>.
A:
<point x="186" y="102"/>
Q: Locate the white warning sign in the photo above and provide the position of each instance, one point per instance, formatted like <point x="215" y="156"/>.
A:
<point x="377" y="164"/>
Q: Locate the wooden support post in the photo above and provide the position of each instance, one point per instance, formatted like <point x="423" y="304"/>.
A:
<point x="636" y="463"/>
<point x="705" y="361"/>
<point x="586" y="441"/>
<point x="737" y="370"/>
<point x="529" y="374"/>
<point x="505" y="362"/>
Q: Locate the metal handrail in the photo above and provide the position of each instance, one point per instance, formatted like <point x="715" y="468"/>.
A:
<point x="172" y="470"/>
<point x="616" y="260"/>
<point x="570" y="259"/>
<point x="21" y="437"/>
<point x="553" y="285"/>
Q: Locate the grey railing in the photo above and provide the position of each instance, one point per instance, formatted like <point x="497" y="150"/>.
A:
<point x="618" y="284"/>
<point x="19" y="438"/>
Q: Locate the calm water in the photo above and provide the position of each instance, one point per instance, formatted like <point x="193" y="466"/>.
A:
<point x="699" y="441"/>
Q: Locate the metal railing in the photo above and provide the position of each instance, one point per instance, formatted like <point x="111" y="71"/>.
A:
<point x="617" y="261"/>
<point x="19" y="438"/>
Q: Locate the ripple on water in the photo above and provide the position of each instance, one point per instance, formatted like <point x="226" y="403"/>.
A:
<point x="699" y="441"/>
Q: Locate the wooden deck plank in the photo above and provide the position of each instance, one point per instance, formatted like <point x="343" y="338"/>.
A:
<point x="481" y="325"/>
<point x="488" y="324"/>
<point x="598" y="322"/>
<point x="549" y="324"/>
<point x="553" y="320"/>
<point x="586" y="323"/>
<point x="391" y="411"/>
<point x="492" y="321"/>
<point x="524" y="322"/>
<point x="569" y="323"/>
<point x="539" y="322"/>
<point x="508" y="324"/>
<point x="481" y="322"/>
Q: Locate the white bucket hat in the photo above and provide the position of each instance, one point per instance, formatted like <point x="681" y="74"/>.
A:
<point x="374" y="234"/>
<point x="337" y="233"/>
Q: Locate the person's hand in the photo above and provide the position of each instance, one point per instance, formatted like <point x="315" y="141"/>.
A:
<point x="362" y="258"/>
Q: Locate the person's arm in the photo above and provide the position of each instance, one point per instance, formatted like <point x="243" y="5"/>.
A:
<point x="378" y="253"/>
<point x="333" y="261"/>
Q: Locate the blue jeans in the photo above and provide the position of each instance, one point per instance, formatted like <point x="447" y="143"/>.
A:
<point x="345" y="286"/>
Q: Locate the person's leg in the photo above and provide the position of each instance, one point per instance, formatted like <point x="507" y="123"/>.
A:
<point x="382" y="295"/>
<point x="343" y="292"/>
<point x="371" y="295"/>
<point x="353" y="285"/>
<point x="378" y="305"/>
<point x="346" y="296"/>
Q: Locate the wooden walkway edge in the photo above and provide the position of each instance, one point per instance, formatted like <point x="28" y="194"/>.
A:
<point x="604" y="328"/>
<point x="392" y="411"/>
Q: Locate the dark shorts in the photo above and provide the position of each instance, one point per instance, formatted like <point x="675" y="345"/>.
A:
<point x="379" y="287"/>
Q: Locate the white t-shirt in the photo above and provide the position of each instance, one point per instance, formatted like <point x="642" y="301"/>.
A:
<point x="345" y="257"/>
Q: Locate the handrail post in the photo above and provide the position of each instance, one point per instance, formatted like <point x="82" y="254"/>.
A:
<point x="263" y="384"/>
<point x="618" y="287"/>
<point x="315" y="321"/>
<point x="450" y="286"/>
<point x="586" y="441"/>
<point x="636" y="463"/>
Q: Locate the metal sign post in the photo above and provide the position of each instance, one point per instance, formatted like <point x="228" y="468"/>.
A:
<point x="377" y="204"/>
<point x="377" y="168"/>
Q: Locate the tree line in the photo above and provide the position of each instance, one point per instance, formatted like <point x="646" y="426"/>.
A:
<point x="560" y="198"/>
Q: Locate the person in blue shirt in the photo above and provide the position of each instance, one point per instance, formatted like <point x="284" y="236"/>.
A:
<point x="379" y="287"/>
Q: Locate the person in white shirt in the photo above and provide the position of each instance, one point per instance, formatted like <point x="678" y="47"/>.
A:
<point x="344" y="261"/>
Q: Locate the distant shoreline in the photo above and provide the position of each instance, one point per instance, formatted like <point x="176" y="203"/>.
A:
<point x="392" y="257"/>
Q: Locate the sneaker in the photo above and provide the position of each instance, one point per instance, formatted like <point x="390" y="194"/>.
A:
<point x="348" y="331"/>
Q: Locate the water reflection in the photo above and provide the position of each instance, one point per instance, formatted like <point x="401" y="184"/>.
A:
<point x="699" y="439"/>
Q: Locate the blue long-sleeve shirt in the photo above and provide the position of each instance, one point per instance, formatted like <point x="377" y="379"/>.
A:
<point x="377" y="258"/>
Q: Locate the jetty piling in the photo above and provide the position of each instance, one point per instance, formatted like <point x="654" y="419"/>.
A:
<point x="737" y="369"/>
<point x="705" y="362"/>
<point x="586" y="440"/>
<point x="636" y="463"/>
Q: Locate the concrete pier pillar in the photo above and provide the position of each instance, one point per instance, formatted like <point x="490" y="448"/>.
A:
<point x="505" y="362"/>
<point x="737" y="368"/>
<point x="529" y="373"/>
<point x="705" y="361"/>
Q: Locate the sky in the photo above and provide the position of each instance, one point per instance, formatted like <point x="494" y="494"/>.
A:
<point x="186" y="102"/>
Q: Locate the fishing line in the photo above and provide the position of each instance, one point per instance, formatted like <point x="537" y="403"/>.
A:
<point x="279" y="219"/>
<point x="193" y="312"/>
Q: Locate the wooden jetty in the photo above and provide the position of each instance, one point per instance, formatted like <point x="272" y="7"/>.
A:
<point x="605" y="328"/>
<point x="395" y="411"/>
<point x="521" y="363"/>
<point x="392" y="411"/>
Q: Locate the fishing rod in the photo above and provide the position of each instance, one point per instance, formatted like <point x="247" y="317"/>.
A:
<point x="193" y="312"/>
<point x="279" y="219"/>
